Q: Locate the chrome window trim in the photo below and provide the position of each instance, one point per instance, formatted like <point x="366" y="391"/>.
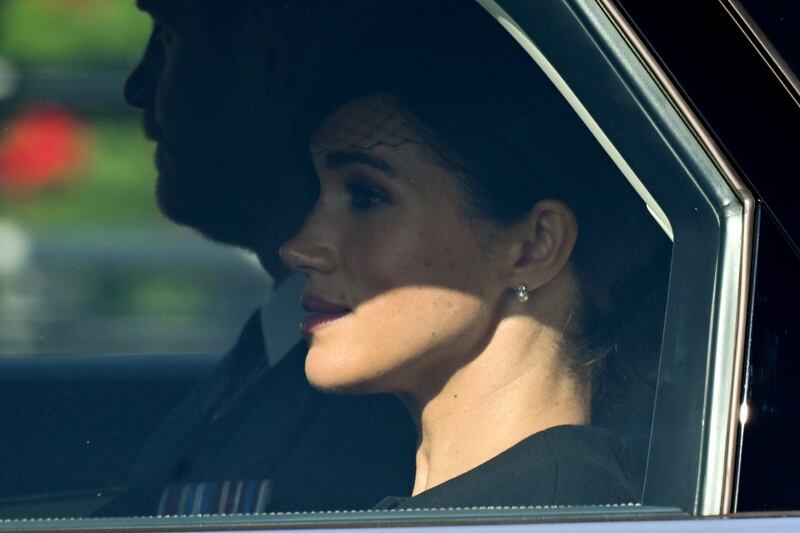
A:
<point x="496" y="523"/>
<point x="370" y="519"/>
<point x="586" y="117"/>
<point x="734" y="207"/>
<point x="717" y="490"/>
<point x="786" y="76"/>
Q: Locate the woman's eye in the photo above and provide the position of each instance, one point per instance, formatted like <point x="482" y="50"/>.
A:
<point x="365" y="196"/>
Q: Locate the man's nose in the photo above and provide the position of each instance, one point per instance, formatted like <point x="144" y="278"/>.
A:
<point x="141" y="84"/>
<point x="311" y="249"/>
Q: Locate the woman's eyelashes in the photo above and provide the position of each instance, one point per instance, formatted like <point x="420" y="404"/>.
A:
<point x="365" y="196"/>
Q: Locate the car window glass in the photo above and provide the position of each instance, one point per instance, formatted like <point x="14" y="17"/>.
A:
<point x="91" y="275"/>
<point x="90" y="267"/>
<point x="149" y="175"/>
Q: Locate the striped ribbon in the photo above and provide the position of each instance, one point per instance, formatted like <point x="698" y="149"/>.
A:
<point x="232" y="496"/>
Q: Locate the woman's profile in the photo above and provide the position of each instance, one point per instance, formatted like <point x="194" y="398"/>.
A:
<point x="464" y="254"/>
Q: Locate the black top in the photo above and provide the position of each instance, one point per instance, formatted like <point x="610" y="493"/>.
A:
<point x="564" y="465"/>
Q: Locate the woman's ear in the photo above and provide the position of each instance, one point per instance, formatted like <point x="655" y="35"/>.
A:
<point x="543" y="243"/>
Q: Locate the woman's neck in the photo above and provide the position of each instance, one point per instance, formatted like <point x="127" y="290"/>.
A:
<point x="512" y="390"/>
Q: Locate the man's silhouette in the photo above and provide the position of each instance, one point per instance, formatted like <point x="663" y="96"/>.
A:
<point x="218" y="85"/>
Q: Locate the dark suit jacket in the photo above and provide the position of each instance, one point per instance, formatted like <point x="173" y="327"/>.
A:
<point x="320" y="452"/>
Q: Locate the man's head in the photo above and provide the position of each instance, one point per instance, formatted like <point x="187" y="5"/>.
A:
<point x="218" y="84"/>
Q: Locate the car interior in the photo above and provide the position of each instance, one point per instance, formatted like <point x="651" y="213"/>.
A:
<point x="101" y="338"/>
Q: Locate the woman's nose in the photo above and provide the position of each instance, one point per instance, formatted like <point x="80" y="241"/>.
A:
<point x="310" y="250"/>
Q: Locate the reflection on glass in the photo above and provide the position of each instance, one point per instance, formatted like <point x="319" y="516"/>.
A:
<point x="88" y="265"/>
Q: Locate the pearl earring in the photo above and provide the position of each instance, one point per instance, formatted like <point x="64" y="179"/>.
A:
<point x="522" y="293"/>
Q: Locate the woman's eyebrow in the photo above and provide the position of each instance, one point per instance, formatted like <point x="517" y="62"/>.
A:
<point x="338" y="159"/>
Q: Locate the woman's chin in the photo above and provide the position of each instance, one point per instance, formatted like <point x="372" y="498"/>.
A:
<point x="328" y="373"/>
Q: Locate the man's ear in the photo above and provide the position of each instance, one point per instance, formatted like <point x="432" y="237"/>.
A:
<point x="543" y="243"/>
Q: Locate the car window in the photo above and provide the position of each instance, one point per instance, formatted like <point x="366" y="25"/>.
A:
<point x="90" y="265"/>
<point x="438" y="206"/>
<point x="775" y="22"/>
<point x="92" y="275"/>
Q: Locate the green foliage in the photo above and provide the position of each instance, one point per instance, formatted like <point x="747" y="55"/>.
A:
<point x="71" y="32"/>
<point x="116" y="188"/>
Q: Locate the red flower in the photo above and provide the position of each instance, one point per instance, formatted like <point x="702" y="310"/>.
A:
<point x="41" y="146"/>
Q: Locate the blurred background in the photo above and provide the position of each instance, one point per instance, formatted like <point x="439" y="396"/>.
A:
<point x="87" y="263"/>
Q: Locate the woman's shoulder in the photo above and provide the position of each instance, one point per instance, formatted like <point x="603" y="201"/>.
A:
<point x="590" y="466"/>
<point x="563" y="465"/>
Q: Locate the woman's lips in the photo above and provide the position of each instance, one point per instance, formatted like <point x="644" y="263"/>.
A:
<point x="321" y="313"/>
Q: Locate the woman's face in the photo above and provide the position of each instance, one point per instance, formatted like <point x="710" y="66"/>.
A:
<point x="402" y="288"/>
